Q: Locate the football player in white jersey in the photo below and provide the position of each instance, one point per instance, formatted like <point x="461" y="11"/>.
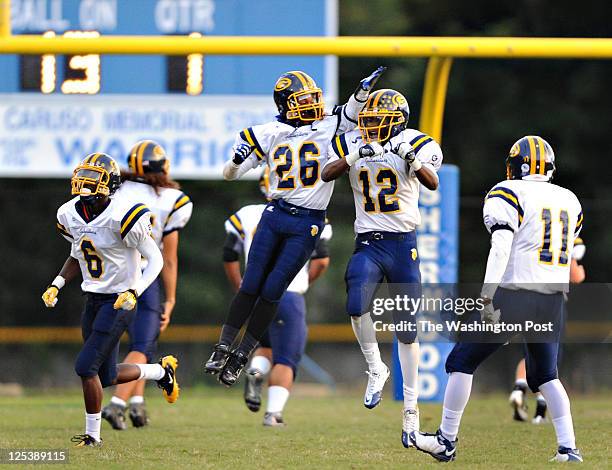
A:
<point x="108" y="235"/>
<point x="387" y="162"/>
<point x="533" y="225"/>
<point x="282" y="347"/>
<point x="295" y="147"/>
<point x="517" y="397"/>
<point x="148" y="181"/>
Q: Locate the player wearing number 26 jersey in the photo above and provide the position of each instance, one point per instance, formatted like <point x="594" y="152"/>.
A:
<point x="295" y="148"/>
<point x="386" y="163"/>
<point x="109" y="235"/>
<point x="533" y="224"/>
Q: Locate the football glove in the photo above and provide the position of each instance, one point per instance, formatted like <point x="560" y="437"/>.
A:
<point x="50" y="296"/>
<point x="488" y="314"/>
<point x="241" y="152"/>
<point x="405" y="151"/>
<point x="373" y="149"/>
<point x="367" y="84"/>
<point x="125" y="301"/>
<point x="579" y="250"/>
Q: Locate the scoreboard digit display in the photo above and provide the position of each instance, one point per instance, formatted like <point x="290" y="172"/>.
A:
<point x="58" y="108"/>
<point x="157" y="74"/>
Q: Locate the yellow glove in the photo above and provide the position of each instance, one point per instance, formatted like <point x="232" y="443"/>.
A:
<point x="126" y="301"/>
<point x="50" y="296"/>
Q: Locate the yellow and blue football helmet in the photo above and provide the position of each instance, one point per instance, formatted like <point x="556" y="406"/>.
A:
<point x="530" y="158"/>
<point x="384" y="115"/>
<point x="97" y="175"/>
<point x="298" y="98"/>
<point x="147" y="156"/>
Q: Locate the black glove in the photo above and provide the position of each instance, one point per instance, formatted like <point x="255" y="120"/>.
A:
<point x="241" y="152"/>
<point x="367" y="84"/>
<point x="373" y="149"/>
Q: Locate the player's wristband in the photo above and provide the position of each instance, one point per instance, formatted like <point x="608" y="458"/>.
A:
<point x="351" y="158"/>
<point x="59" y="282"/>
<point x="416" y="165"/>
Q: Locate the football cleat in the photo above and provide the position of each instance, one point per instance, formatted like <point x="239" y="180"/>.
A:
<point x="217" y="360"/>
<point x="115" y="415"/>
<point x="410" y="424"/>
<point x="233" y="368"/>
<point x="252" y="389"/>
<point x="168" y="383"/>
<point x="518" y="404"/>
<point x="85" y="440"/>
<point x="540" y="414"/>
<point x="565" y="454"/>
<point x="376" y="382"/>
<point x="138" y="415"/>
<point x="436" y="445"/>
<point x="273" y="420"/>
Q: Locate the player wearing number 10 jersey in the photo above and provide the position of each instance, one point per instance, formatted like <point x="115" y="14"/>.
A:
<point x="108" y="235"/>
<point x="386" y="163"/>
<point x="533" y="224"/>
<point x="295" y="147"/>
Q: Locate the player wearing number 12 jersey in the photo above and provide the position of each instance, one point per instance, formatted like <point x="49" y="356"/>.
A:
<point x="295" y="147"/>
<point x="386" y="163"/>
<point x="533" y="225"/>
<point x="108" y="235"/>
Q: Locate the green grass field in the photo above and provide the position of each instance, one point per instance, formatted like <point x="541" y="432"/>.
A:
<point x="211" y="428"/>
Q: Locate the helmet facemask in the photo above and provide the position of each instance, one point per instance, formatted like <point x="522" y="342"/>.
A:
<point x="90" y="181"/>
<point x="305" y="105"/>
<point x="379" y="125"/>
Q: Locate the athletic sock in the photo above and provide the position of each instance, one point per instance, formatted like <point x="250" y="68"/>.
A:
<point x="151" y="371"/>
<point x="409" y="361"/>
<point x="561" y="416"/>
<point x="456" y="398"/>
<point x="261" y="364"/>
<point x="277" y="398"/>
<point x="263" y="314"/>
<point x="93" y="421"/>
<point x="239" y="311"/>
<point x="118" y="401"/>
<point x="247" y="344"/>
<point x="136" y="400"/>
<point x="521" y="384"/>
<point x="363" y="327"/>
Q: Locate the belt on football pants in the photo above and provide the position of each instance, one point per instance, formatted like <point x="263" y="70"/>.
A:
<point x="383" y="236"/>
<point x="297" y="210"/>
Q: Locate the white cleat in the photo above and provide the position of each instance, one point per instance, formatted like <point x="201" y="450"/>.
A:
<point x="565" y="454"/>
<point x="436" y="445"/>
<point x="410" y="424"/>
<point x="376" y="383"/>
<point x="517" y="402"/>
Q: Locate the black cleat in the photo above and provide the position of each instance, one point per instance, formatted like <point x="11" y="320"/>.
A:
<point x="115" y="415"/>
<point x="138" y="415"/>
<point x="233" y="368"/>
<point x="85" y="440"/>
<point x="252" y="389"/>
<point x="540" y="413"/>
<point x="217" y="360"/>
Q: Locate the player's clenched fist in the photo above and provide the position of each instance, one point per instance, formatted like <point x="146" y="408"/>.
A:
<point x="373" y="149"/>
<point x="125" y="301"/>
<point x="50" y="296"/>
<point x="241" y="152"/>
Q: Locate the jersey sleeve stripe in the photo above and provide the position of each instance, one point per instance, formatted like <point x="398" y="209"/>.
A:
<point x="420" y="143"/>
<point x="237" y="224"/>
<point x="579" y="223"/>
<point x="63" y="230"/>
<point x="500" y="227"/>
<point x="181" y="201"/>
<point x="339" y="145"/>
<point x="132" y="217"/>
<point x="249" y="136"/>
<point x="510" y="197"/>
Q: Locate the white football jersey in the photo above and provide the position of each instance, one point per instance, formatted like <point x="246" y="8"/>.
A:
<point x="106" y="246"/>
<point x="243" y="224"/>
<point x="296" y="157"/>
<point x="171" y="209"/>
<point x="545" y="219"/>
<point x="386" y="194"/>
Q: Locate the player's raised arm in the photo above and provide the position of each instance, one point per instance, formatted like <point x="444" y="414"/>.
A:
<point x="348" y="112"/>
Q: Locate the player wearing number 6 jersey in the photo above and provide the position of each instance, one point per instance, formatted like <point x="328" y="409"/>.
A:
<point x="386" y="163"/>
<point x="108" y="237"/>
<point x="533" y="224"/>
<point x="295" y="147"/>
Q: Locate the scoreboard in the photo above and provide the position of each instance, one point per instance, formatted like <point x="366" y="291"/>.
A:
<point x="54" y="109"/>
